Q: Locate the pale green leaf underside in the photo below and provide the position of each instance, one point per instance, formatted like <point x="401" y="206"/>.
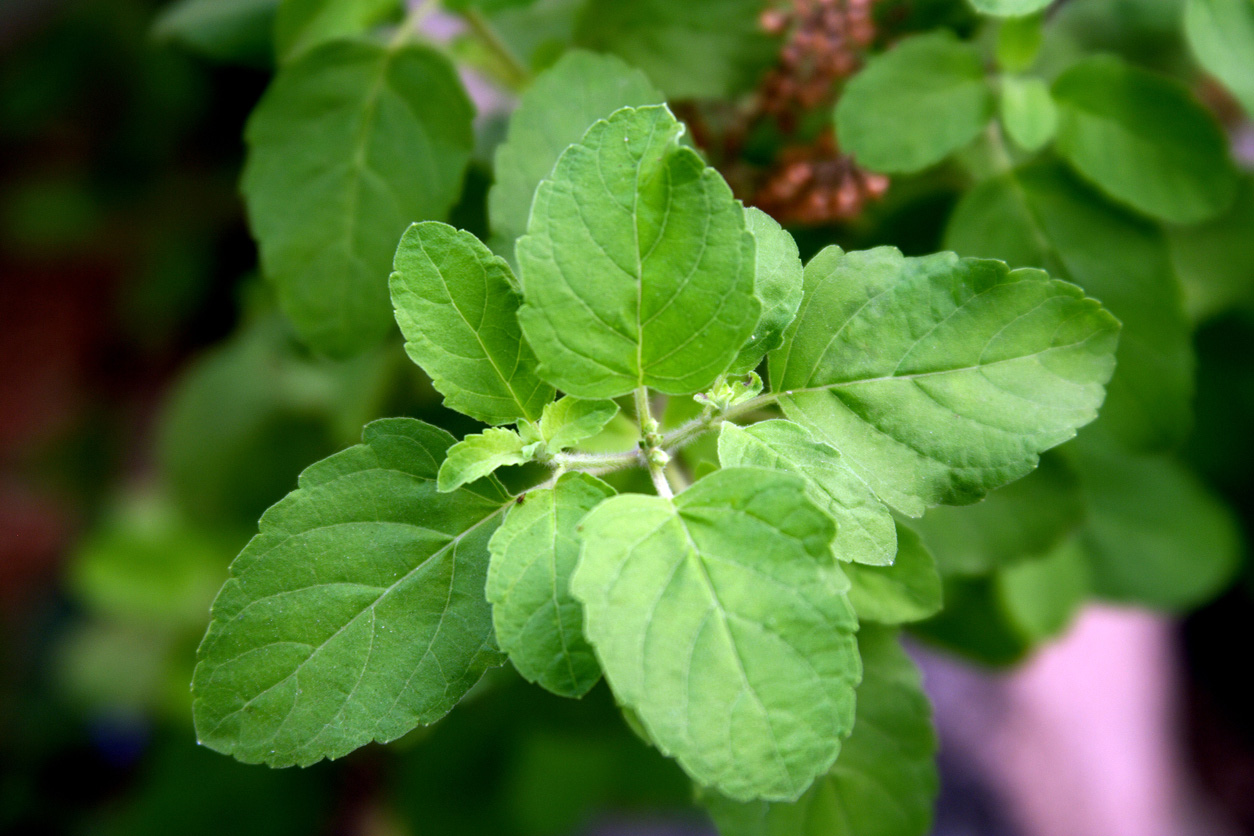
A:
<point x="1043" y="216"/>
<point x="1144" y="140"/>
<point x="351" y="144"/>
<point x="637" y="268"/>
<point x="720" y="619"/>
<point x="714" y="48"/>
<point x="475" y="456"/>
<point x="885" y="780"/>
<point x="568" y="421"/>
<point x="456" y="305"/>
<point x="553" y="114"/>
<point x="915" y="105"/>
<point x="1009" y="8"/>
<point x="1028" y="112"/>
<point x="777" y="284"/>
<point x="939" y="378"/>
<point x="534" y="552"/>
<point x="304" y="24"/>
<point x="865" y="531"/>
<point x="1155" y="535"/>
<point x="357" y="612"/>
<point x="1221" y="35"/>
<point x="909" y="590"/>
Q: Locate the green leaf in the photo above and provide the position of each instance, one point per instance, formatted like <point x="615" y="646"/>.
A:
<point x="1019" y="42"/>
<point x="691" y="50"/>
<point x="351" y="144"/>
<point x="304" y="24"/>
<point x="865" y="531"/>
<point x="1025" y="519"/>
<point x="884" y="782"/>
<point x="720" y="618"/>
<point x="1042" y="596"/>
<point x="975" y="622"/>
<point x="475" y="456"/>
<point x="1144" y="140"/>
<point x="553" y="114"/>
<point x="1215" y="260"/>
<point x="1156" y="536"/>
<point x="915" y="105"/>
<point x="538" y="623"/>
<point x="777" y="284"/>
<point x="909" y="590"/>
<point x="357" y="612"/>
<point x="1221" y="35"/>
<point x="568" y="421"/>
<point x="1043" y="216"/>
<point x="1009" y="8"/>
<point x="231" y="31"/>
<point x="456" y="305"/>
<point x="637" y="267"/>
<point x="1028" y="112"/>
<point x="939" y="378"/>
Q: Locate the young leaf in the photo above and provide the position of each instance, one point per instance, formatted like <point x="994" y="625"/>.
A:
<point x="233" y="31"/>
<point x="885" y="780"/>
<point x="720" y="618"/>
<point x="456" y="305"/>
<point x="357" y="612"/>
<point x="1144" y="140"/>
<point x="1025" y="519"/>
<point x="476" y="456"/>
<point x="1155" y="535"/>
<point x="303" y="24"/>
<point x="690" y="50"/>
<point x="534" y="552"/>
<point x="352" y="142"/>
<point x="637" y="267"/>
<point x="777" y="284"/>
<point x="568" y="421"/>
<point x="915" y="105"/>
<point x="909" y="590"/>
<point x="1043" y="216"/>
<point x="1028" y="112"/>
<point x="939" y="378"/>
<point x="1221" y="35"/>
<point x="865" y="531"/>
<point x="1009" y="8"/>
<point x="553" y="114"/>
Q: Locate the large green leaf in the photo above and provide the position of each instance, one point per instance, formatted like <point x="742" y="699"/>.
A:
<point x="915" y="105"/>
<point x="357" y="612"/>
<point x="1143" y="139"/>
<point x="1009" y="8"/>
<point x="1155" y="536"/>
<point x="554" y="113"/>
<point x="538" y="623"/>
<point x="1025" y="519"/>
<point x="939" y="378"/>
<point x="1221" y="34"/>
<point x="224" y="30"/>
<point x="457" y="307"/>
<point x="777" y="283"/>
<point x="885" y="780"/>
<point x="637" y="267"/>
<point x="303" y="24"/>
<point x="352" y="143"/>
<point x="865" y="531"/>
<point x="720" y="619"/>
<point x="909" y="590"/>
<point x="1044" y="216"/>
<point x="710" y="49"/>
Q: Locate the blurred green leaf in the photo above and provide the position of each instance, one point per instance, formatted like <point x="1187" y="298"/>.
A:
<point x="1144" y="140"/>
<point x="1215" y="260"/>
<point x="304" y="24"/>
<point x="1221" y="35"/>
<point x="1043" y="595"/>
<point x="1009" y="8"/>
<point x="1027" y="112"/>
<point x="908" y="590"/>
<point x="229" y="31"/>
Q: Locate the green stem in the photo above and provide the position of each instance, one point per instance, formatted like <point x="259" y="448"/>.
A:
<point x="516" y="72"/>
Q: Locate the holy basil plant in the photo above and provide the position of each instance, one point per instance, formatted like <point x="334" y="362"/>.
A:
<point x="745" y="620"/>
